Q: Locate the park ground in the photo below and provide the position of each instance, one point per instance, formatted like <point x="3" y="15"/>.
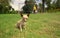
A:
<point x="41" y="25"/>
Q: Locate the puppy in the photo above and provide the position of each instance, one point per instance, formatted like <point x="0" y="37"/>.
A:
<point x="21" y="23"/>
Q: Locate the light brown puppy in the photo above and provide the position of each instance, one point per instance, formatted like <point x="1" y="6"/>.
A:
<point x="21" y="23"/>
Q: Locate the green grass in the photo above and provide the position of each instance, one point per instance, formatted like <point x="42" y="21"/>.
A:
<point x="42" y="25"/>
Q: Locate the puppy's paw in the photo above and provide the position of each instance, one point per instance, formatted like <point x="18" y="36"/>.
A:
<point x="21" y="30"/>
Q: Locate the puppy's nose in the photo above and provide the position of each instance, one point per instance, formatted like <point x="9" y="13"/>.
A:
<point x="25" y="21"/>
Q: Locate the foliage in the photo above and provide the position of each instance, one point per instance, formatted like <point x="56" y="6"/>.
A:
<point x="45" y="2"/>
<point x="48" y="3"/>
<point x="28" y="8"/>
<point x="58" y="4"/>
<point x="4" y="2"/>
<point x="4" y="6"/>
<point x="54" y="5"/>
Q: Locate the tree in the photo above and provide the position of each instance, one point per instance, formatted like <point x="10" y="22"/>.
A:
<point x="1" y="7"/>
<point x="53" y="5"/>
<point x="58" y="4"/>
<point x="28" y="8"/>
<point x="4" y="6"/>
<point x="43" y="1"/>
<point x="4" y="2"/>
<point x="48" y="3"/>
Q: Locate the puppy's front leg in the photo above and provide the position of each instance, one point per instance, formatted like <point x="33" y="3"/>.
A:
<point x="20" y="28"/>
<point x="25" y="26"/>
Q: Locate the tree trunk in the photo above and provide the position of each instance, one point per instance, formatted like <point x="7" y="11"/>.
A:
<point x="43" y="9"/>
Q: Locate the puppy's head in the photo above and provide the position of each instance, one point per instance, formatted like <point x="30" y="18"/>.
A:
<point x="25" y="17"/>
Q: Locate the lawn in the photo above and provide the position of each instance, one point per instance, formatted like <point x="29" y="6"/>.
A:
<point x="41" y="25"/>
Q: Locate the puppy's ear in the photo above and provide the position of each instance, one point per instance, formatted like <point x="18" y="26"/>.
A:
<point x="21" y="14"/>
<point x="28" y="14"/>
